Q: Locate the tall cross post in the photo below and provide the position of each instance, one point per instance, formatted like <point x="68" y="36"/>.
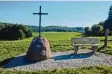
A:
<point x="40" y="14"/>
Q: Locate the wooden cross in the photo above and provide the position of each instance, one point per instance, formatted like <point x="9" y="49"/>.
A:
<point x="40" y="14"/>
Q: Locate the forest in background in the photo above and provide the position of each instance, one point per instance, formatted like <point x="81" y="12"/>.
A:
<point x="56" y="29"/>
<point x="50" y="28"/>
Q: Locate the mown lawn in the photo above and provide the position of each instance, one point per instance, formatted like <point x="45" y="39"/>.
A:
<point x="59" y="41"/>
<point x="84" y="70"/>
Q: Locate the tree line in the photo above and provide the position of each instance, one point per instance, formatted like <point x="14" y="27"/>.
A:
<point x="95" y="30"/>
<point x="56" y="29"/>
<point x="99" y="29"/>
<point x="10" y="31"/>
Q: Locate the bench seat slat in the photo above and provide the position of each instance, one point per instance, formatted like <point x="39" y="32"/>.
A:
<point x="86" y="44"/>
<point x="85" y="40"/>
<point x="93" y="42"/>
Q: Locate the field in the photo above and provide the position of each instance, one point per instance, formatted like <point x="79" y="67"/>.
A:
<point x="59" y="41"/>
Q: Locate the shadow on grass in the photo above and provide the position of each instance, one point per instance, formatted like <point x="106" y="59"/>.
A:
<point x="104" y="40"/>
<point x="99" y="49"/>
<point x="105" y="49"/>
<point x="73" y="56"/>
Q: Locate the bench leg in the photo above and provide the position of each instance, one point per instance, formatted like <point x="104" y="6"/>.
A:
<point x="75" y="49"/>
<point x="94" y="48"/>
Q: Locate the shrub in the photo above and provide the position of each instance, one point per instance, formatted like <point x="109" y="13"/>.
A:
<point x="29" y="33"/>
<point x="87" y="30"/>
<point x="14" y="32"/>
<point x="21" y="34"/>
<point x="96" y="30"/>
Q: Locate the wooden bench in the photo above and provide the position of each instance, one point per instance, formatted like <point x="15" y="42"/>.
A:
<point x="76" y="42"/>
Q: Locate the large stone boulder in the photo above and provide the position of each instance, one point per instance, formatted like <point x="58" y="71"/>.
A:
<point x="39" y="50"/>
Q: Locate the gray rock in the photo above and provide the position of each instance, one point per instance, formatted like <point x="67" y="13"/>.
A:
<point x="39" y="50"/>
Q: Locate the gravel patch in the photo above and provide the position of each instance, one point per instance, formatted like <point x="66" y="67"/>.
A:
<point x="61" y="60"/>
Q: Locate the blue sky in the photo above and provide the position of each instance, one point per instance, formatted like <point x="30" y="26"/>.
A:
<point x="60" y="13"/>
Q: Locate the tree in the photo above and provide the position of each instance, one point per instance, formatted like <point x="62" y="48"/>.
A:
<point x="96" y="30"/>
<point x="101" y="23"/>
<point x="13" y="31"/>
<point x="87" y="30"/>
<point x="108" y="25"/>
<point x="21" y="34"/>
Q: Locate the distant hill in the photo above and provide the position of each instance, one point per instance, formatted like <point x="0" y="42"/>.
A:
<point x="56" y="29"/>
<point x="50" y="28"/>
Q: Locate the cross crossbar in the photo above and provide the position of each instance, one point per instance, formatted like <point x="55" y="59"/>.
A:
<point x="40" y="14"/>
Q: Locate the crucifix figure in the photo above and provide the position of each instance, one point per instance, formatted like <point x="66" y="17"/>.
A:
<point x="40" y="14"/>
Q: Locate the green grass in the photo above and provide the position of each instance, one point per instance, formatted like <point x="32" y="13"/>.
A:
<point x="59" y="41"/>
<point x="84" y="70"/>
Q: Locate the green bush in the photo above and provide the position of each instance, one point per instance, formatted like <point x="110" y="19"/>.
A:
<point x="14" y="32"/>
<point x="95" y="30"/>
<point x="87" y="31"/>
<point x="21" y="34"/>
<point x="29" y="33"/>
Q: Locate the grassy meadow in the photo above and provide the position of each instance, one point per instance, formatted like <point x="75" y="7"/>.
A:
<point x="59" y="41"/>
